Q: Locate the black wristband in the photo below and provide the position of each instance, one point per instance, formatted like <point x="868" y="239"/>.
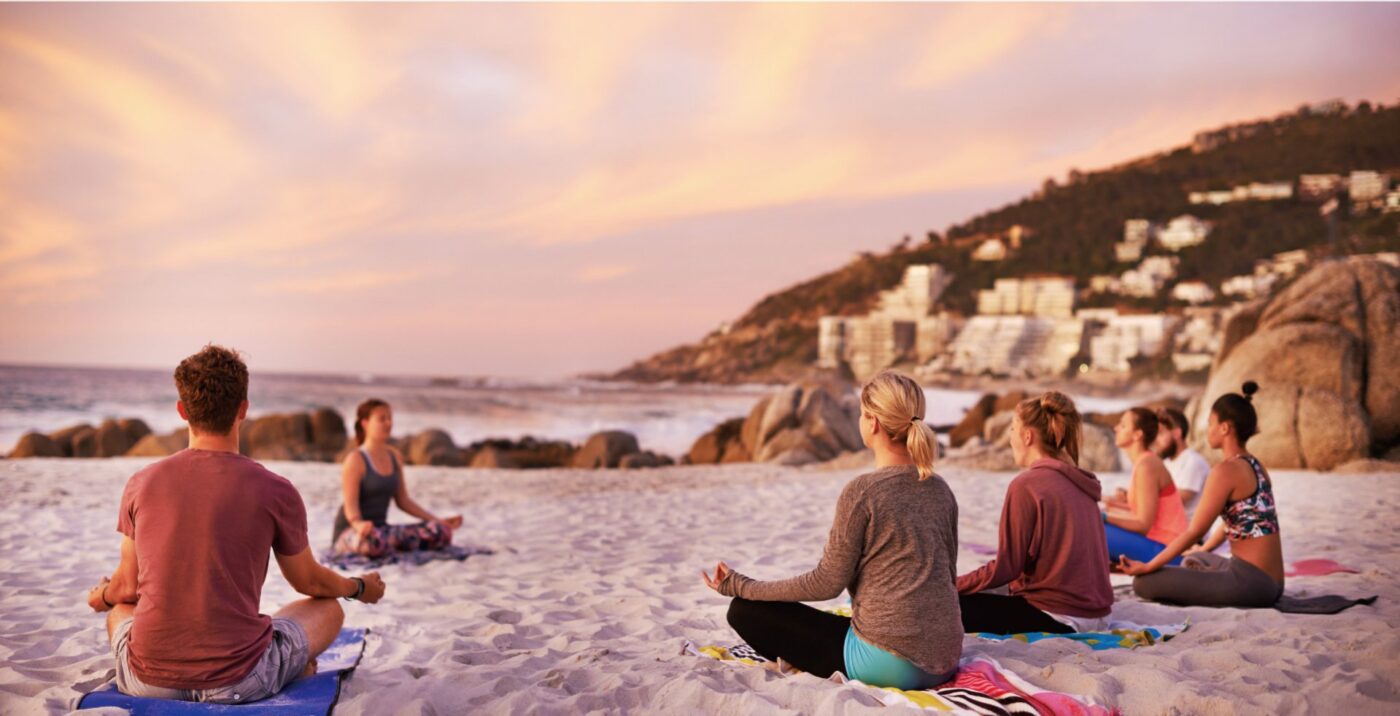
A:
<point x="359" y="590"/>
<point x="104" y="598"/>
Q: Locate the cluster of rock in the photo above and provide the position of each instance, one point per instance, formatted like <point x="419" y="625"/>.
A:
<point x="798" y="425"/>
<point x="981" y="439"/>
<point x="320" y="435"/>
<point x="112" y="438"/>
<point x="1324" y="353"/>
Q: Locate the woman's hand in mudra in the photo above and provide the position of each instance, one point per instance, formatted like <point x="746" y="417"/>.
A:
<point x="1132" y="566"/>
<point x="454" y="521"/>
<point x="362" y="527"/>
<point x="721" y="571"/>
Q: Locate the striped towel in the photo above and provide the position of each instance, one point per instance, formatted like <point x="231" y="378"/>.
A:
<point x="981" y="686"/>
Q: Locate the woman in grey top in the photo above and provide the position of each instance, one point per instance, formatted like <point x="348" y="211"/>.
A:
<point x="893" y="545"/>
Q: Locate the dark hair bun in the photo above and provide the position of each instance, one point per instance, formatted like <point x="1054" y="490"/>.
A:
<point x="1249" y="389"/>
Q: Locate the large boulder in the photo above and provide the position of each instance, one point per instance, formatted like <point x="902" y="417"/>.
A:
<point x="83" y="443"/>
<point x="724" y="441"/>
<point x="65" y="438"/>
<point x="527" y="453"/>
<point x="36" y="445"/>
<point x="639" y="460"/>
<point x="492" y="457"/>
<point x="433" y="447"/>
<point x="1097" y="451"/>
<point x="1322" y="352"/>
<point x="328" y="433"/>
<point x="606" y="449"/>
<point x="113" y="439"/>
<point x="154" y="445"/>
<point x="973" y="421"/>
<point x="282" y="436"/>
<point x="800" y="424"/>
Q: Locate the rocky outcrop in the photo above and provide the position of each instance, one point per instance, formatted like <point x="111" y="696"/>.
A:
<point x="433" y="447"/>
<point x="154" y="445"/>
<point x="800" y="425"/>
<point x="1097" y="451"/>
<point x="974" y="421"/>
<point x="524" y="454"/>
<point x="644" y="459"/>
<point x="606" y="449"/>
<point x="725" y="443"/>
<point x="36" y="445"/>
<point x="294" y="436"/>
<point x="116" y="437"/>
<point x="1323" y="353"/>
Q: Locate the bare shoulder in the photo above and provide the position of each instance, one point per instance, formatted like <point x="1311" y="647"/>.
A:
<point x="353" y="463"/>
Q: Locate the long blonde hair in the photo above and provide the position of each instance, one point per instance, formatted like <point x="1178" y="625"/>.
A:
<point x="1055" y="421"/>
<point x="898" y="403"/>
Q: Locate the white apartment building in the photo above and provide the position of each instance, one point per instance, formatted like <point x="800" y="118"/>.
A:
<point x="1149" y="277"/>
<point x="1317" y="187"/>
<point x="917" y="295"/>
<point x="1249" y="286"/>
<point x="874" y="343"/>
<point x="1265" y="191"/>
<point x="1193" y="292"/>
<point x="1185" y="230"/>
<point x="1285" y="264"/>
<point x="989" y="250"/>
<point x="1127" y="337"/>
<point x="1049" y="296"/>
<point x="1105" y="284"/>
<point x="1367" y="185"/>
<point x="1136" y="233"/>
<point x="831" y="341"/>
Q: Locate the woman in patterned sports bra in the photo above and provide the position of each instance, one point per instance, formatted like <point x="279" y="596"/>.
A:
<point x="372" y="478"/>
<point x="1239" y="492"/>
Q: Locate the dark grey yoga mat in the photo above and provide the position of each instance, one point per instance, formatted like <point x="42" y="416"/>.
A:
<point x="1326" y="604"/>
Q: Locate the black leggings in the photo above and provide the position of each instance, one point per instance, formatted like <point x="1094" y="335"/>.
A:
<point x="808" y="638"/>
<point x="1000" y="614"/>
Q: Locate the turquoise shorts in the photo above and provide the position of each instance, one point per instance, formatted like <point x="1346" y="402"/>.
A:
<point x="872" y="665"/>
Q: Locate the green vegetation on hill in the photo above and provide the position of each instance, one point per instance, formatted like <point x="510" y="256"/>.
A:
<point x="1074" y="227"/>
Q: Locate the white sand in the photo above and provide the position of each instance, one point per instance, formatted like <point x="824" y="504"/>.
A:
<point x="597" y="585"/>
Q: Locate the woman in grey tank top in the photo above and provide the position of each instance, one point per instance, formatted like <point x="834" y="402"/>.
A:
<point x="372" y="478"/>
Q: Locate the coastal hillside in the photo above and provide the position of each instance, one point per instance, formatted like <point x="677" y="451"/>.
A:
<point x="1070" y="228"/>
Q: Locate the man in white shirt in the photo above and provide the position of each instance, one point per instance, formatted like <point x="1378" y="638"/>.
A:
<point x="1188" y="468"/>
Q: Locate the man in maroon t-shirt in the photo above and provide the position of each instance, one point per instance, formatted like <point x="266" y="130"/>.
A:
<point x="183" y="616"/>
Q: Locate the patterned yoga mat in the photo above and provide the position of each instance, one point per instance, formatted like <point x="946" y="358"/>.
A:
<point x="981" y="686"/>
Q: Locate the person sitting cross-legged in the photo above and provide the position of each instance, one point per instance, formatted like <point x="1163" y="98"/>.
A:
<point x="197" y="527"/>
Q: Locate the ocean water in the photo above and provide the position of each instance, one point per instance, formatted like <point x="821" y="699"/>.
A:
<point x="665" y="418"/>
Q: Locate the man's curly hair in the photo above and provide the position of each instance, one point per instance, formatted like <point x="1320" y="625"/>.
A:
<point x="213" y="383"/>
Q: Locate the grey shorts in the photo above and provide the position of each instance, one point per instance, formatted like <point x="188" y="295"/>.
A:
<point x="281" y="664"/>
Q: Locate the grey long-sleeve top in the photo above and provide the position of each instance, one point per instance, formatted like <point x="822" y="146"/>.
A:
<point x="894" y="545"/>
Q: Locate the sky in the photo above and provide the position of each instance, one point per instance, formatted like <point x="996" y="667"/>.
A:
<point x="539" y="191"/>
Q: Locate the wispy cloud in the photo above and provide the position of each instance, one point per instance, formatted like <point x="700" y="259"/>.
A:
<point x="601" y="274"/>
<point x="344" y="282"/>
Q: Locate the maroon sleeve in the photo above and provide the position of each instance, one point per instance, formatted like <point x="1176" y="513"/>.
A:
<point x="126" y="514"/>
<point x="1018" y="526"/>
<point x="289" y="520"/>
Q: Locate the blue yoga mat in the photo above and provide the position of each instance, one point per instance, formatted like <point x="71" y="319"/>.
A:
<point x="303" y="697"/>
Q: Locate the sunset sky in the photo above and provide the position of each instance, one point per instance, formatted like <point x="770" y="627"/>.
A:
<point x="542" y="190"/>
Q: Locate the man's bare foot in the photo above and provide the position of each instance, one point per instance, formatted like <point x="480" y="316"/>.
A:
<point x="310" y="669"/>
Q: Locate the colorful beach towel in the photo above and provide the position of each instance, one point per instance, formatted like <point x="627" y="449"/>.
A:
<point x="981" y="686"/>
<point x="358" y="562"/>
<point x="1316" y="568"/>
<point x="313" y="696"/>
<point x="1121" y="634"/>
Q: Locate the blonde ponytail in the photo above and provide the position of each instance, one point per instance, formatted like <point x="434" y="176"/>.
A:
<point x="898" y="403"/>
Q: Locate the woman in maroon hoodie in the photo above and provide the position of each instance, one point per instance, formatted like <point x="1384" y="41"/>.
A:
<point x="1051" y="549"/>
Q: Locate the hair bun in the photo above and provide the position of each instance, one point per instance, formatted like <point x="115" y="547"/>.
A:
<point x="1249" y="389"/>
